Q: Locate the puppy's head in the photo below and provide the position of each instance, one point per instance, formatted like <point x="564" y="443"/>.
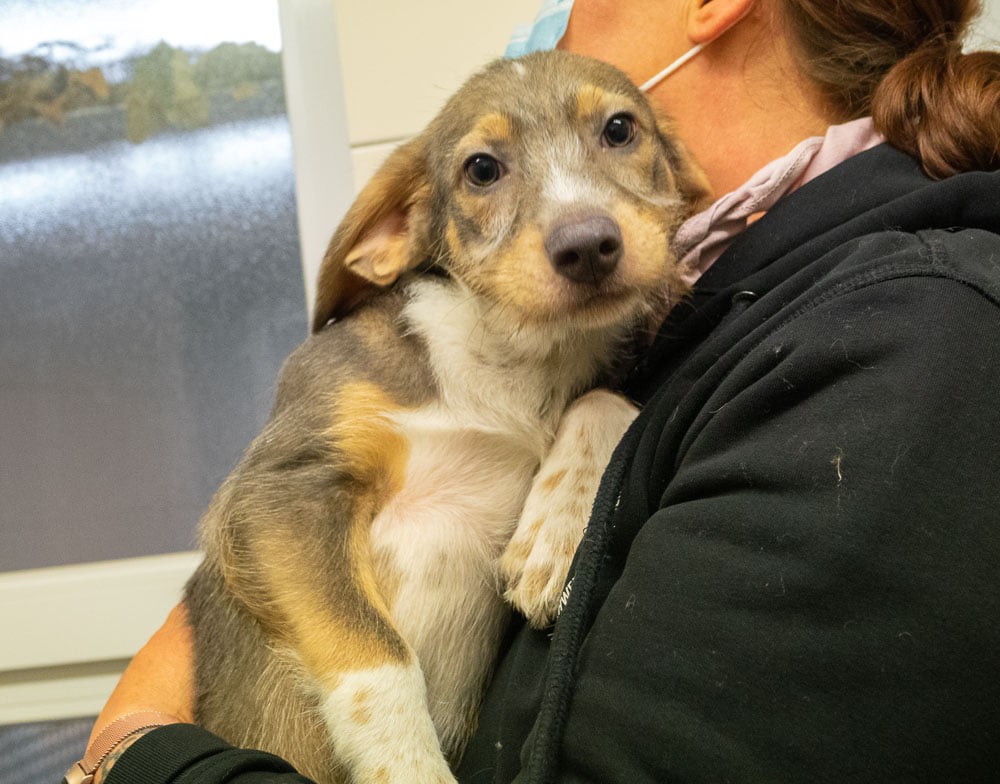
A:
<point x="546" y="186"/>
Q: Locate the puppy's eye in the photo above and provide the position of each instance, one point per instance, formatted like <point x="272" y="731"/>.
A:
<point x="619" y="130"/>
<point x="482" y="169"/>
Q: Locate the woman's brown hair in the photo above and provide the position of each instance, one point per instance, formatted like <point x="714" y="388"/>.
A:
<point x="901" y="61"/>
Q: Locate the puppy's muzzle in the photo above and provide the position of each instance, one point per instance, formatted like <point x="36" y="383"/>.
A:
<point x="585" y="249"/>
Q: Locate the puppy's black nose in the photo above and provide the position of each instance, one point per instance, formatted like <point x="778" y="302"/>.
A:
<point x="585" y="249"/>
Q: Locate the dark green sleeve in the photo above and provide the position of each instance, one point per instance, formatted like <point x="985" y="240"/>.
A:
<point x="185" y="754"/>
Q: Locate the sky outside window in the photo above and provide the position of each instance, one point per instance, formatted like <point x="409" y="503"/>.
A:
<point x="117" y="29"/>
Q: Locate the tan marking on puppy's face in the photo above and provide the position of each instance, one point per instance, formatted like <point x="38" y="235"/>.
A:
<point x="591" y="100"/>
<point x="453" y="239"/>
<point x="525" y="149"/>
<point x="493" y="128"/>
<point x="474" y="221"/>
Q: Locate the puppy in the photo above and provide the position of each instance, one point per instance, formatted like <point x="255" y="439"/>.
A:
<point x="350" y="604"/>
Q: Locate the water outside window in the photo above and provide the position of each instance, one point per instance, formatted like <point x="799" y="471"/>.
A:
<point x="150" y="282"/>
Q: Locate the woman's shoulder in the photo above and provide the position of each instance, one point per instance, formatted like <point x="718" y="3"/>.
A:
<point x="965" y="255"/>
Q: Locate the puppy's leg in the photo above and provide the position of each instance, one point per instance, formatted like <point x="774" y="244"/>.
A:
<point x="247" y="693"/>
<point x="319" y="605"/>
<point x="537" y="559"/>
<point x="380" y="726"/>
<point x="290" y="533"/>
<point x="373" y="696"/>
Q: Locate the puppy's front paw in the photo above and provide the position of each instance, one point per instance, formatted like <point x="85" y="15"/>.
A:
<point x="537" y="559"/>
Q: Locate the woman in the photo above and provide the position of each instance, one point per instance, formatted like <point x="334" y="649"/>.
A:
<point x="790" y="573"/>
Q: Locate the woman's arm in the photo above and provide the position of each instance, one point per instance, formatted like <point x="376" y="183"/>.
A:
<point x="161" y="679"/>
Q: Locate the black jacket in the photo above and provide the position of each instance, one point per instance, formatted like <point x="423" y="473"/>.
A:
<point x="792" y="571"/>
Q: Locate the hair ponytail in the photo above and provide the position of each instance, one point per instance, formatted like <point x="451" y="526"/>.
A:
<point x="943" y="107"/>
<point x="902" y="62"/>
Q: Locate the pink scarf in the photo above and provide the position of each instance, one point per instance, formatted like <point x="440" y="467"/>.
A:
<point x="703" y="238"/>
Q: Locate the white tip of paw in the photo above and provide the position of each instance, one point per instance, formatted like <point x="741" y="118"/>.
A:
<point x="536" y="563"/>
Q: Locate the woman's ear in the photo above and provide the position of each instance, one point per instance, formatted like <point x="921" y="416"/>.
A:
<point x="709" y="19"/>
<point x="384" y="234"/>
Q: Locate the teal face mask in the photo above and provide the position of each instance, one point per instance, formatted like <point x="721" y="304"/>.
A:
<point x="542" y="34"/>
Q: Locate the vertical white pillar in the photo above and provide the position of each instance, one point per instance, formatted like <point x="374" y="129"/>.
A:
<point x="314" y="91"/>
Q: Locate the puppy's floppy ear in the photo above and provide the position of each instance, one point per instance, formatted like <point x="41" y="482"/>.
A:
<point x="692" y="182"/>
<point x="384" y="233"/>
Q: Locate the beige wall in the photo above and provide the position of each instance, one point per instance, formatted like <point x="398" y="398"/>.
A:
<point x="987" y="32"/>
<point x="401" y="60"/>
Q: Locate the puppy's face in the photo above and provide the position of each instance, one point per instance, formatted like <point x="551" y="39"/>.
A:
<point x="546" y="185"/>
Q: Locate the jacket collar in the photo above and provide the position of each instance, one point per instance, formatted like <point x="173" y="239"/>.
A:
<point x="879" y="189"/>
<point x="875" y="190"/>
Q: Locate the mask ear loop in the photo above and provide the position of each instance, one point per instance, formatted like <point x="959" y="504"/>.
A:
<point x="655" y="80"/>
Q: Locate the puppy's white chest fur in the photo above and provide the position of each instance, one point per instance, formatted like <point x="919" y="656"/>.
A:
<point x="472" y="454"/>
<point x="474" y="448"/>
<point x="462" y="490"/>
<point x="496" y="373"/>
<point x="438" y="543"/>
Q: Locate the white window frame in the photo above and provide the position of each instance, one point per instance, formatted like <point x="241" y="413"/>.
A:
<point x="70" y="630"/>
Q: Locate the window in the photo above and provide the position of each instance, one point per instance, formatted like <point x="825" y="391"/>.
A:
<point x="150" y="278"/>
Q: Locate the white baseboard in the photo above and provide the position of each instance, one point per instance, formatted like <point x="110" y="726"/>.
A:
<point x="52" y="693"/>
<point x="69" y="630"/>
